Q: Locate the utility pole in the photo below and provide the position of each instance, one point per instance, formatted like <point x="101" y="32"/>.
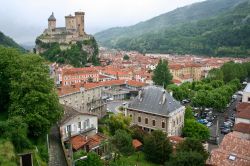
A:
<point x="217" y="131"/>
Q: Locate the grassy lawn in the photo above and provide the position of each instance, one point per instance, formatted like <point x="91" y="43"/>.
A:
<point x="132" y="160"/>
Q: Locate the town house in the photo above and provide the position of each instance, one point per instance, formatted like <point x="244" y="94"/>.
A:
<point x="155" y="109"/>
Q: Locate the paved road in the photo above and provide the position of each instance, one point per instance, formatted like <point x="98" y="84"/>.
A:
<point x="113" y="106"/>
<point x="221" y="118"/>
<point x="56" y="154"/>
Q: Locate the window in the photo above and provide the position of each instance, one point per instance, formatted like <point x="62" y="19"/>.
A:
<point x="79" y="125"/>
<point x="146" y="120"/>
<point x="163" y="124"/>
<point x="130" y="115"/>
<point x="248" y="98"/>
<point x="139" y="119"/>
<point x="87" y="123"/>
<point x="68" y="128"/>
<point x="153" y="122"/>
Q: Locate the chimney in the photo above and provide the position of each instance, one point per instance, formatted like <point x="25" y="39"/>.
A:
<point x="140" y="95"/>
<point x="163" y="97"/>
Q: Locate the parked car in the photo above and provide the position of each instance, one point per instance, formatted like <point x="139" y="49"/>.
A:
<point x="234" y="97"/>
<point x="202" y="121"/>
<point x="110" y="99"/>
<point x="240" y="93"/>
<point x="209" y="124"/>
<point x="196" y="115"/>
<point x="228" y="123"/>
<point x="225" y="131"/>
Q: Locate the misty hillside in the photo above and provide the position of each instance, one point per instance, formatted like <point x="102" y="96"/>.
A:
<point x="8" y="42"/>
<point x="187" y="30"/>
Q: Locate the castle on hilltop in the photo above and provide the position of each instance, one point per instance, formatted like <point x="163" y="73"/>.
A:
<point x="72" y="32"/>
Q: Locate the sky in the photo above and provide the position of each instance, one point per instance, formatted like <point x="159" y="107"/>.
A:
<point x="24" y="20"/>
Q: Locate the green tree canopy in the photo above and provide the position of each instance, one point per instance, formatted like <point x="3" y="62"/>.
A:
<point x="28" y="91"/>
<point x="186" y="159"/>
<point x="157" y="147"/>
<point x="162" y="75"/>
<point x="191" y="145"/>
<point x="189" y="113"/>
<point x="116" y="122"/>
<point x="193" y="129"/>
<point x="123" y="142"/>
<point x="92" y="159"/>
<point x="126" y="57"/>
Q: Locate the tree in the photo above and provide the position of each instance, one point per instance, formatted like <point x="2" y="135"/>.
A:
<point x="162" y="75"/>
<point x="116" y="122"/>
<point x="215" y="74"/>
<point x="92" y="159"/>
<point x="123" y="142"/>
<point x="138" y="133"/>
<point x="33" y="95"/>
<point x="193" y="129"/>
<point x="157" y="147"/>
<point x="192" y="145"/>
<point x="126" y="57"/>
<point x="90" y="79"/>
<point x="189" y="113"/>
<point x="7" y="153"/>
<point x="186" y="159"/>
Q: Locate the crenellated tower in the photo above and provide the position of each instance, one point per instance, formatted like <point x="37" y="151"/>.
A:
<point x="52" y="22"/>
<point x="79" y="17"/>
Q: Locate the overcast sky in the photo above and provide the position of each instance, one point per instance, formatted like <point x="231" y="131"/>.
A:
<point x="23" y="20"/>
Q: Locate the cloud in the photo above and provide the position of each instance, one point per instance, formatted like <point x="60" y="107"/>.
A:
<point x="25" y="19"/>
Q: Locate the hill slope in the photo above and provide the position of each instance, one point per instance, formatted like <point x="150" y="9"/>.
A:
<point x="185" y="30"/>
<point x="8" y="42"/>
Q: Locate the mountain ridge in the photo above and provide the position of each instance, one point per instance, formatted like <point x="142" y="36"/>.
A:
<point x="178" y="17"/>
<point x="9" y="42"/>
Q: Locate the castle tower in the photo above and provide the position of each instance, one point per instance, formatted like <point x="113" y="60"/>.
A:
<point x="79" y="17"/>
<point x="52" y="22"/>
<point x="70" y="22"/>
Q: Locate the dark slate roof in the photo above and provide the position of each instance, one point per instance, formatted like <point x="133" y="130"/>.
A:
<point x="151" y="101"/>
<point x="52" y="17"/>
<point x="70" y="113"/>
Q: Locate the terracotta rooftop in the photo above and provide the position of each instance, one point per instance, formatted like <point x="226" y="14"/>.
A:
<point x="234" y="150"/>
<point x="80" y="141"/>
<point x="242" y="127"/>
<point x="176" y="139"/>
<point x="243" y="110"/>
<point x="79" y="70"/>
<point x="136" y="143"/>
<point x="76" y="88"/>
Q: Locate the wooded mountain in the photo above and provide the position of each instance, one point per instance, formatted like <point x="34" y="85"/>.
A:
<point x="212" y="27"/>
<point x="8" y="42"/>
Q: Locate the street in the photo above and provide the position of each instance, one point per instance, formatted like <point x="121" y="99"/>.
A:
<point x="113" y="106"/>
<point x="221" y="118"/>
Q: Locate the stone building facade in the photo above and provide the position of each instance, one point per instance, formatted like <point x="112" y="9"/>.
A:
<point x="155" y="109"/>
<point x="84" y="99"/>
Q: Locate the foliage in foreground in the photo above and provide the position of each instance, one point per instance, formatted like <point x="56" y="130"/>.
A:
<point x="157" y="147"/>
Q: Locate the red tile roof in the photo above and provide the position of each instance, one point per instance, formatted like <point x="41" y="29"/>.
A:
<point x="243" y="110"/>
<point x="76" y="88"/>
<point x="242" y="127"/>
<point x="136" y="143"/>
<point x="233" y="145"/>
<point x="80" y="141"/>
<point x="79" y="70"/>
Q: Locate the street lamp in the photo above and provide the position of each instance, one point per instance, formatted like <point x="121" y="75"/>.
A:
<point x="81" y="158"/>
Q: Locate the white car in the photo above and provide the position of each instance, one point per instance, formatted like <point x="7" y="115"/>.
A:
<point x="209" y="124"/>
